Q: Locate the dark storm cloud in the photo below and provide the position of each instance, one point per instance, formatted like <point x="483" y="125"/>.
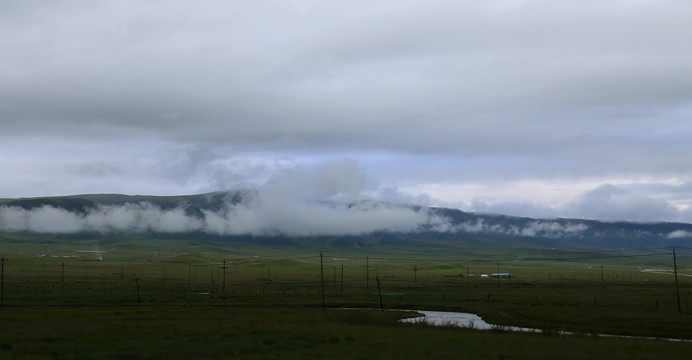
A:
<point x="219" y="94"/>
<point x="435" y="74"/>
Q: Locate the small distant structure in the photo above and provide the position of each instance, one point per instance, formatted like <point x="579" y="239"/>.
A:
<point x="455" y="276"/>
<point x="502" y="275"/>
<point x="98" y="253"/>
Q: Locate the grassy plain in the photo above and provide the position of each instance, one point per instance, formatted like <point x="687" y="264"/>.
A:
<point x="173" y="298"/>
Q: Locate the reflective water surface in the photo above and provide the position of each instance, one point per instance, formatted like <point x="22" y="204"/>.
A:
<point x="469" y="320"/>
<point x="443" y="318"/>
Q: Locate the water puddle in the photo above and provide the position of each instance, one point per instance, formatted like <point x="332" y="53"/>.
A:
<point x="468" y="320"/>
<point x="444" y="318"/>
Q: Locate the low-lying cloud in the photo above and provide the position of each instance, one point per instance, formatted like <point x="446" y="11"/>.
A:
<point x="336" y="198"/>
<point x="549" y="229"/>
<point x="611" y="203"/>
<point x="261" y="217"/>
<point x="680" y="234"/>
<point x="322" y="200"/>
<point x="128" y="217"/>
<point x="252" y="218"/>
<point x="643" y="203"/>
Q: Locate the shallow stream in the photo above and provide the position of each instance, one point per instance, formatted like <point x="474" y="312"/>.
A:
<point x="443" y="318"/>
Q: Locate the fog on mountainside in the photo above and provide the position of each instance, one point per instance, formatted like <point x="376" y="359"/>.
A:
<point x="255" y="213"/>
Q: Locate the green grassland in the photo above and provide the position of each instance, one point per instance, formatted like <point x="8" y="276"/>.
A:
<point x="138" y="297"/>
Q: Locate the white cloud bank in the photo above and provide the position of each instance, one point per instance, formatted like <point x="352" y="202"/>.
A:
<point x="254" y="219"/>
<point x="259" y="217"/>
<point x="128" y="217"/>
<point x="549" y="229"/>
<point x="328" y="199"/>
<point x="634" y="202"/>
<point x="337" y="198"/>
<point x="680" y="234"/>
<point x="321" y="200"/>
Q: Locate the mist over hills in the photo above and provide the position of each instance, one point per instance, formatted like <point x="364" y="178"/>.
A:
<point x="284" y="219"/>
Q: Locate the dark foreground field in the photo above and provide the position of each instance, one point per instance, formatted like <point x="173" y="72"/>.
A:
<point x="175" y="299"/>
<point x="205" y="332"/>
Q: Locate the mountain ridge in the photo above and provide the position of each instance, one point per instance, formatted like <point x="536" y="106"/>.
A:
<point x="248" y="213"/>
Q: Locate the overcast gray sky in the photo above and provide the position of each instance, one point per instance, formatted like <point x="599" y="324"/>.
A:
<point x="535" y="108"/>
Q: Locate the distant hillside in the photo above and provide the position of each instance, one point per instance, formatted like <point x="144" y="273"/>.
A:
<point x="573" y="232"/>
<point x="249" y="215"/>
<point x="82" y="203"/>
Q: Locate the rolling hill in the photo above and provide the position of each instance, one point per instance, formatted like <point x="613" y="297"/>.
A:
<point x="250" y="216"/>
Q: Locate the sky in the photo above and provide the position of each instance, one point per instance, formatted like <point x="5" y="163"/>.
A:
<point x="531" y="108"/>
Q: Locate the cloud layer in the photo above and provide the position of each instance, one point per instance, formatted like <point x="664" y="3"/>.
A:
<point x="323" y="200"/>
<point x="608" y="202"/>
<point x="480" y="104"/>
<point x="247" y="219"/>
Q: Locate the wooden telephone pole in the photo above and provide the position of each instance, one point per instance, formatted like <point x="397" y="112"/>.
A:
<point x="224" y="267"/>
<point x="322" y="278"/>
<point x="677" y="286"/>
<point x="2" y="283"/>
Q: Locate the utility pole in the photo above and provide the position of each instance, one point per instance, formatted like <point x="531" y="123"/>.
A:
<point x="139" y="298"/>
<point x="415" y="276"/>
<point x="2" y="282"/>
<point x="498" y="274"/>
<point x="342" y="278"/>
<point x="379" y="291"/>
<point x="224" y="267"/>
<point x="677" y="286"/>
<point x="367" y="276"/>
<point x="322" y="278"/>
<point x="189" y="275"/>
